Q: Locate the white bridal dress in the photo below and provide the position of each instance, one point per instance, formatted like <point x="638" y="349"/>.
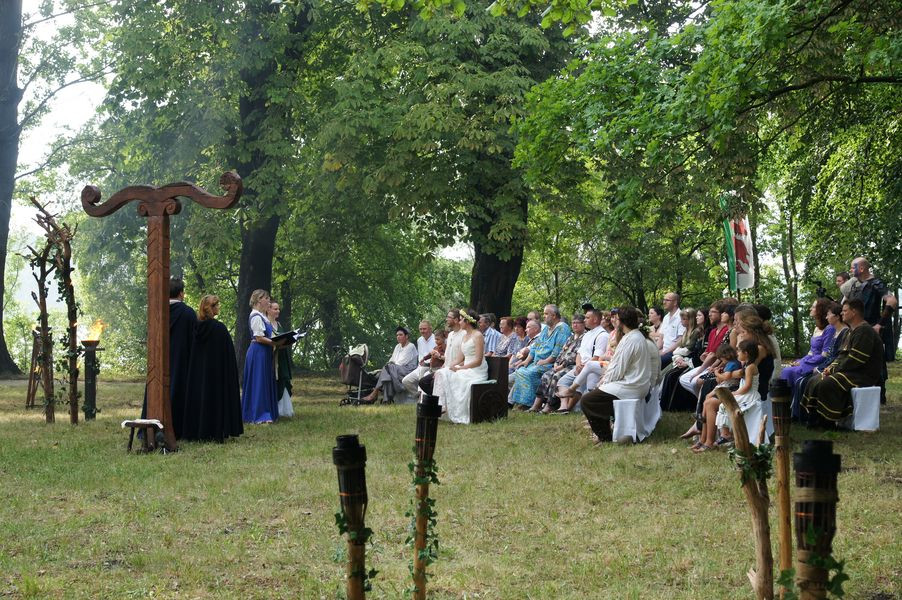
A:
<point x="453" y="387"/>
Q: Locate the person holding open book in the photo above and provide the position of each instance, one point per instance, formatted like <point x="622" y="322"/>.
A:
<point x="282" y="362"/>
<point x="258" y="394"/>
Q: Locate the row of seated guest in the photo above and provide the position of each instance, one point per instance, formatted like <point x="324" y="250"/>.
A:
<point x="543" y="352"/>
<point x="403" y="362"/>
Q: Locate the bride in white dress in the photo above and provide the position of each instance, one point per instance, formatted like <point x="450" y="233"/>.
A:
<point x="452" y="383"/>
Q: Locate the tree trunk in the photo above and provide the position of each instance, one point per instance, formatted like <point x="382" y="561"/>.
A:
<point x="756" y="269"/>
<point x="333" y="344"/>
<point x="492" y="281"/>
<point x="10" y="96"/>
<point x="258" y="233"/>
<point x="258" y="245"/>
<point x="796" y="322"/>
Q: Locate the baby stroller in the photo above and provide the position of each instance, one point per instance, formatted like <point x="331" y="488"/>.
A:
<point x="352" y="372"/>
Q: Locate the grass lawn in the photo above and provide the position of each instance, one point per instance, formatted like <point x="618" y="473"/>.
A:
<point x="527" y="508"/>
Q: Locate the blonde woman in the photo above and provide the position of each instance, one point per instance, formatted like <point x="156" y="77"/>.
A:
<point x="258" y="396"/>
<point x="212" y="402"/>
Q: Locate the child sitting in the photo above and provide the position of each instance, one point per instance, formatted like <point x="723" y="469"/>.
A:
<point x="747" y="395"/>
<point x="727" y="377"/>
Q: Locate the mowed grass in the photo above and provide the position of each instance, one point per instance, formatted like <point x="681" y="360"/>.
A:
<point x="527" y="508"/>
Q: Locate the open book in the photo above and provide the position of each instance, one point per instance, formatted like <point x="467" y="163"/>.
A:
<point x="288" y="338"/>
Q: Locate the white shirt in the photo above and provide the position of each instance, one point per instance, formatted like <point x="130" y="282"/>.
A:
<point x="452" y="346"/>
<point x="601" y="343"/>
<point x="629" y="373"/>
<point x="258" y="326"/>
<point x="403" y="355"/>
<point x="424" y="346"/>
<point x="671" y="328"/>
<point x="587" y="344"/>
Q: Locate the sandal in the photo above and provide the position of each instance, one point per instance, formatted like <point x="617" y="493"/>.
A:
<point x="691" y="432"/>
<point x="703" y="448"/>
<point x="723" y="441"/>
<point x="561" y="411"/>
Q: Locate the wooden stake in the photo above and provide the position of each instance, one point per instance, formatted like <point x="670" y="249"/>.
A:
<point x="419" y="545"/>
<point x="762" y="576"/>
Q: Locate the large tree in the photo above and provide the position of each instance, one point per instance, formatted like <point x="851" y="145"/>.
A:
<point x="421" y="125"/>
<point x="33" y="70"/>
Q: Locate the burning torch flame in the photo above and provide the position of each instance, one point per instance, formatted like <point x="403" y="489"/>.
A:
<point x="96" y="329"/>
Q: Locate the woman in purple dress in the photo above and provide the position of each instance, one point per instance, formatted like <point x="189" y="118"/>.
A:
<point x="821" y="342"/>
<point x="259" y="403"/>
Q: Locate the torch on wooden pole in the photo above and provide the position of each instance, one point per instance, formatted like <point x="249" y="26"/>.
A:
<point x="350" y="459"/>
<point x="428" y="412"/>
<point x="781" y="397"/>
<point x="816" y="495"/>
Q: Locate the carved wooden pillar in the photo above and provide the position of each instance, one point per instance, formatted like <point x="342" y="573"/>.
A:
<point x="157" y="204"/>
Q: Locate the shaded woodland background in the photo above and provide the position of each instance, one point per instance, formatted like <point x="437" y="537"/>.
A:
<point x="581" y="156"/>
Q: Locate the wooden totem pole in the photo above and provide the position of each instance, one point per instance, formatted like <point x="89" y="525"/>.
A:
<point x="157" y="203"/>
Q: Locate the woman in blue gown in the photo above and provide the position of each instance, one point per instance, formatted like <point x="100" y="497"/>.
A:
<point x="259" y="403"/>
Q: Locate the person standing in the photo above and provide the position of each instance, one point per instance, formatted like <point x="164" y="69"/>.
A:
<point x="258" y="394"/>
<point x="282" y="363"/>
<point x="182" y="320"/>
<point x="213" y="400"/>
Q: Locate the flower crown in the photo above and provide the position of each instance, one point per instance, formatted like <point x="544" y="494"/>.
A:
<point x="466" y="316"/>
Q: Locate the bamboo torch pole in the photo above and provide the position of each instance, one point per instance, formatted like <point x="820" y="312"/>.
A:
<point x="816" y="495"/>
<point x="428" y="412"/>
<point x="781" y="397"/>
<point x="350" y="459"/>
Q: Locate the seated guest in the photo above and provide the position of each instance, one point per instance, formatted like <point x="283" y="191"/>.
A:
<point x="213" y="402"/>
<point x="828" y="399"/>
<point x="821" y="341"/>
<point x="629" y="374"/>
<point x="672" y="328"/>
<point x="453" y="381"/>
<point x="692" y="379"/>
<point x="489" y="333"/>
<point x="830" y="353"/>
<point x="423" y="375"/>
<point x="687" y="353"/>
<point x="545" y="393"/>
<point x="655" y="317"/>
<point x="506" y="326"/>
<point x="587" y="370"/>
<point x="542" y="355"/>
<point x="841" y="278"/>
<point x="452" y="347"/>
<point x="403" y="361"/>
<point x="425" y="344"/>
<point x="532" y="331"/>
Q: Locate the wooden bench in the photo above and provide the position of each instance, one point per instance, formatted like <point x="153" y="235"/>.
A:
<point x="488" y="401"/>
<point x="150" y="427"/>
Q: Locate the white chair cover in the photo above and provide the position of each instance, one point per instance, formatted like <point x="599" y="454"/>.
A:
<point x="651" y="413"/>
<point x="866" y="409"/>
<point x="752" y="418"/>
<point x="625" y="418"/>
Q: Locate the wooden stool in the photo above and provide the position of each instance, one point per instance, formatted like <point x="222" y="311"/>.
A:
<point x="149" y="426"/>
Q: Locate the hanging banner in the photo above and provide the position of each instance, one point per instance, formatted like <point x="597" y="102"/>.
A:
<point x="738" y="242"/>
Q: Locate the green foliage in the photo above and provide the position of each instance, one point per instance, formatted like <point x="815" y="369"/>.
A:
<point x="427" y="473"/>
<point x="757" y="467"/>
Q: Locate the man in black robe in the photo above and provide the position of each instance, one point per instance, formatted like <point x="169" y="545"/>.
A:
<point x="182" y="321"/>
<point x="828" y="396"/>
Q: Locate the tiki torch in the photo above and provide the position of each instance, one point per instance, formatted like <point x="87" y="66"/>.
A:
<point x="781" y="396"/>
<point x="816" y="470"/>
<point x="92" y="369"/>
<point x="428" y="412"/>
<point x="350" y="459"/>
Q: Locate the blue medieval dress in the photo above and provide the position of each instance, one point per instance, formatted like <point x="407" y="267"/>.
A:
<point x="259" y="403"/>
